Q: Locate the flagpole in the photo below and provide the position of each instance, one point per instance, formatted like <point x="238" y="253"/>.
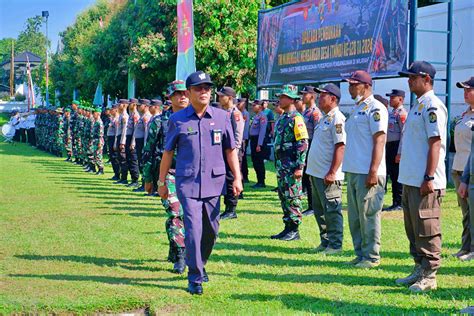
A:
<point x="12" y="72"/>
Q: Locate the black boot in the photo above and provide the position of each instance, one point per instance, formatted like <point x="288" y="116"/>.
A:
<point x="282" y="233"/>
<point x="172" y="254"/>
<point x="101" y="171"/>
<point x="92" y="169"/>
<point x="68" y="158"/>
<point x="292" y="233"/>
<point x="179" y="265"/>
<point x="229" y="212"/>
<point x="87" y="168"/>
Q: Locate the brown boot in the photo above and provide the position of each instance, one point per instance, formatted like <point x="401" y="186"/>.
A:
<point x="412" y="278"/>
<point x="425" y="283"/>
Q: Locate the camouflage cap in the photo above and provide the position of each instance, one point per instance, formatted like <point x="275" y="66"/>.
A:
<point x="76" y="102"/>
<point x="177" y="85"/>
<point x="97" y="109"/>
<point x="290" y="91"/>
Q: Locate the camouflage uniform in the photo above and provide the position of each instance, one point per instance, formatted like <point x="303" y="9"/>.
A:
<point x="58" y="130"/>
<point x="291" y="146"/>
<point x="67" y="139"/>
<point x="174" y="223"/>
<point x="98" y="143"/>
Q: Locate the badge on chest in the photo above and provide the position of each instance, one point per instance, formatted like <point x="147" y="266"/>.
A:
<point x="216" y="136"/>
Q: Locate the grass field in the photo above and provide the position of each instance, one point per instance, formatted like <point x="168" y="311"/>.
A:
<point x="75" y="242"/>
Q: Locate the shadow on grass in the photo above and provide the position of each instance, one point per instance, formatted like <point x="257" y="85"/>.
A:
<point x="316" y="305"/>
<point x="147" y="282"/>
<point x="319" y="278"/>
<point x="128" y="264"/>
<point x="156" y="214"/>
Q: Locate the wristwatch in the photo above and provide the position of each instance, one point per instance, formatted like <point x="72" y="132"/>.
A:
<point x="161" y="184"/>
<point x="428" y="178"/>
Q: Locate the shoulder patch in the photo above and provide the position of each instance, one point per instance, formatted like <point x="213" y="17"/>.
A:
<point x="237" y="116"/>
<point x="338" y="128"/>
<point x="300" y="128"/>
<point x="432" y="117"/>
<point x="376" y="116"/>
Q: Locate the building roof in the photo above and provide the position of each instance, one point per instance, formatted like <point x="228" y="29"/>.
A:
<point x="22" y="59"/>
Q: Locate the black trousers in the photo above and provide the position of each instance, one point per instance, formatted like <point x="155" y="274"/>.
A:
<point x="31" y="136"/>
<point x="258" y="159"/>
<point x="132" y="159"/>
<point x="229" y="199"/>
<point x="139" y="144"/>
<point x="113" y="156"/>
<point x="391" y="149"/>
<point x="244" y="168"/>
<point x="306" y="182"/>
<point x="122" y="158"/>
<point x="22" y="135"/>
<point x="16" y="137"/>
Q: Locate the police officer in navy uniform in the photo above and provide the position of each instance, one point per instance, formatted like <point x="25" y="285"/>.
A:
<point x="396" y="121"/>
<point x="203" y="139"/>
<point x="258" y="145"/>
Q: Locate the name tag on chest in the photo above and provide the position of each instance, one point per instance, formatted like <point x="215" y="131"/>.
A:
<point x="216" y="136"/>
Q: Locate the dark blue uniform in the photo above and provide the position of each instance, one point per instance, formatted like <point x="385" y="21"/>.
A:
<point x="200" y="144"/>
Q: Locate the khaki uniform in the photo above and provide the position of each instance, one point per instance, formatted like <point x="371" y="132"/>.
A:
<point x="427" y="119"/>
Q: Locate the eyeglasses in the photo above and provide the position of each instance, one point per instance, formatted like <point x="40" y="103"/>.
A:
<point x="199" y="88"/>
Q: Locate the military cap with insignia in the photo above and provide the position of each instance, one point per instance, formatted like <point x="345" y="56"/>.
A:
<point x="197" y="78"/>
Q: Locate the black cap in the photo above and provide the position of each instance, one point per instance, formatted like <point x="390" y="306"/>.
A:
<point x="123" y="101"/>
<point x="330" y="88"/>
<point x="419" y="68"/>
<point x="156" y="102"/>
<point x="144" y="101"/>
<point x="197" y="78"/>
<point x="469" y="83"/>
<point x="227" y="91"/>
<point x="307" y="89"/>
<point x="396" y="93"/>
<point x="133" y="100"/>
<point x="257" y="102"/>
<point x="381" y="99"/>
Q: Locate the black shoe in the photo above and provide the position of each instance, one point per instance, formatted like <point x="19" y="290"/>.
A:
<point x="194" y="288"/>
<point x="121" y="182"/>
<point x="205" y="277"/>
<point x="179" y="265"/>
<point x="241" y="196"/>
<point x="228" y="215"/>
<point x="280" y="234"/>
<point x="308" y="212"/>
<point x="292" y="234"/>
<point x="115" y="178"/>
<point x="92" y="169"/>
<point x="140" y="189"/>
<point x="101" y="171"/>
<point x="259" y="186"/>
<point x="68" y="159"/>
<point x="87" y="169"/>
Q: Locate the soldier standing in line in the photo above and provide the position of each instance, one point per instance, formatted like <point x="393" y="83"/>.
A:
<point x="130" y="152"/>
<point x="291" y="146"/>
<point x="226" y="100"/>
<point x="73" y="122"/>
<point x="150" y="151"/>
<point x="67" y="133"/>
<point x="422" y="173"/>
<point x="120" y="140"/>
<point x="58" y="133"/>
<point x="138" y="139"/>
<point x="396" y="121"/>
<point x="258" y="146"/>
<point x="325" y="168"/>
<point x="111" y="131"/>
<point x="242" y="106"/>
<point x="311" y="115"/>
<point x="97" y="141"/>
<point x="364" y="165"/>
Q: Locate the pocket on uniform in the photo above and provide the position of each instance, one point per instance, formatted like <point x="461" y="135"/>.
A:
<point x="333" y="191"/>
<point x="429" y="214"/>
<point x="374" y="199"/>
<point x="217" y="171"/>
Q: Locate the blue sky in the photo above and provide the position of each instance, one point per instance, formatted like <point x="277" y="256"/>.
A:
<point x="62" y="13"/>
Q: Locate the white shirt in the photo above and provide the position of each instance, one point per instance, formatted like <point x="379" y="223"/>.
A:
<point x="366" y="119"/>
<point x="462" y="140"/>
<point x="329" y="132"/>
<point x="30" y="121"/>
<point x="425" y="120"/>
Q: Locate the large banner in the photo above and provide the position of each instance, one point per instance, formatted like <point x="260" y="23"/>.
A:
<point x="326" y="40"/>
<point x="186" y="63"/>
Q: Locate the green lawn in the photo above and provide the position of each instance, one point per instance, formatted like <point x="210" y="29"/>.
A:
<point x="75" y="242"/>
